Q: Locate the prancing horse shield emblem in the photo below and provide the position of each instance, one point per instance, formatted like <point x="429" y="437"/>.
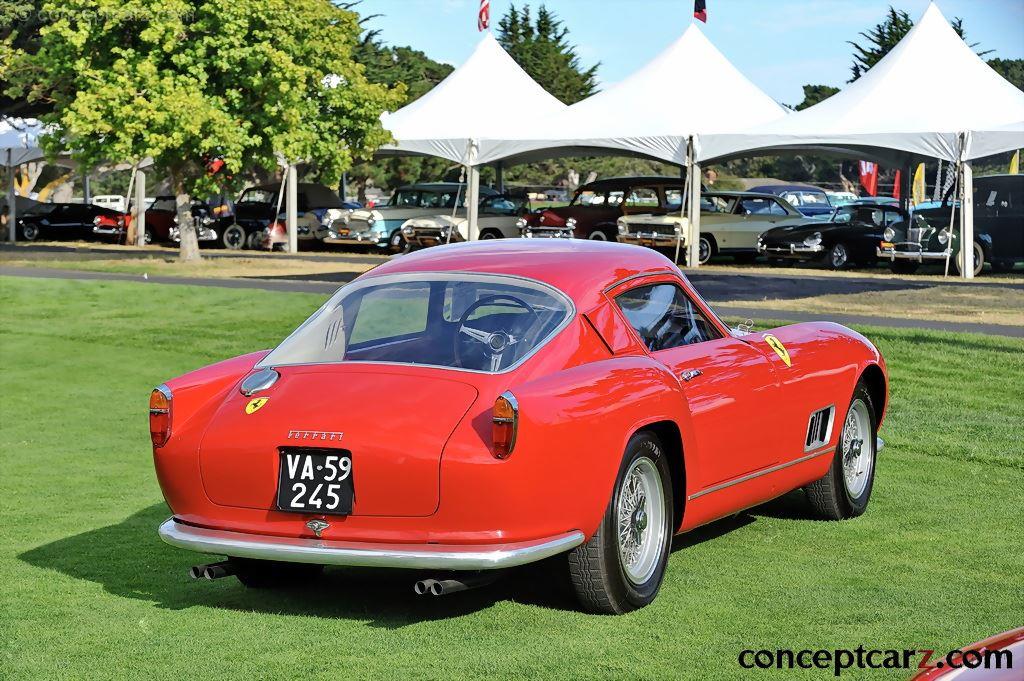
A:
<point x="780" y="349"/>
<point x="254" y="405"/>
<point x="317" y="526"/>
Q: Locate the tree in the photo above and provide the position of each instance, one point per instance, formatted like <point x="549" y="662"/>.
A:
<point x="248" y="81"/>
<point x="814" y="94"/>
<point x="884" y="36"/>
<point x="1010" y="69"/>
<point x="542" y="49"/>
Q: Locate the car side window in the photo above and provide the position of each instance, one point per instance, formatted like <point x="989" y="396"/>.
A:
<point x="615" y="197"/>
<point x="642" y="197"/>
<point x="665" y="317"/>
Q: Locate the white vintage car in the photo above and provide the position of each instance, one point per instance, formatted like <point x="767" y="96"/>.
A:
<point x="730" y="223"/>
<point x="498" y="219"/>
<point x="381" y="226"/>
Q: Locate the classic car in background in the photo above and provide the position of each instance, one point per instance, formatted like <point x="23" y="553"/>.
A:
<point x="162" y="221"/>
<point x="850" y="235"/>
<point x="500" y="360"/>
<point x="257" y="209"/>
<point x="381" y="226"/>
<point x="998" y="229"/>
<point x="841" y="198"/>
<point x="730" y="223"/>
<point x="809" y="200"/>
<point x="595" y="207"/>
<point x="498" y="218"/>
<point x="66" y="221"/>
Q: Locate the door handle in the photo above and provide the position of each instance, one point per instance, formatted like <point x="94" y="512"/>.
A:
<point x="690" y="374"/>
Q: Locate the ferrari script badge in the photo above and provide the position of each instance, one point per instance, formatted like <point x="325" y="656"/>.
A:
<point x="780" y="349"/>
<point x="318" y="526"/>
<point x="254" y="405"/>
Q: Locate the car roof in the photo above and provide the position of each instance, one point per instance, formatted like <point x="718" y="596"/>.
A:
<point x="749" y="195"/>
<point x="641" y="179"/>
<point x="580" y="268"/>
<point x="446" y="186"/>
<point x="772" y="188"/>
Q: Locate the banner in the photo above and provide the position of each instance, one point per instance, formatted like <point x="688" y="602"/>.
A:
<point x="483" y="17"/>
<point x="700" y="10"/>
<point x="897" y="191"/>
<point x="869" y="177"/>
<point x="917" y="192"/>
<point x="1015" y="163"/>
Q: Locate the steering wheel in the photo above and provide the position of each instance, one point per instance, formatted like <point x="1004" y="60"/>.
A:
<point x="491" y="345"/>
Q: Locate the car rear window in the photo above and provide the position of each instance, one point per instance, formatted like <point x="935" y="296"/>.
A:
<point x="453" y="320"/>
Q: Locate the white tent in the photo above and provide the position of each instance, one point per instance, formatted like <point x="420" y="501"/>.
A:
<point x="689" y="88"/>
<point x="488" y="96"/>
<point x="19" y="143"/>
<point x="919" y="101"/>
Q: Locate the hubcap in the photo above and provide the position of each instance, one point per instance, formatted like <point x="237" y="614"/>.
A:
<point x="598" y="236"/>
<point x="704" y="253"/>
<point x="839" y="255"/>
<point x="233" y="236"/>
<point x="641" y="520"/>
<point x="858" y="449"/>
<point x="30" y="232"/>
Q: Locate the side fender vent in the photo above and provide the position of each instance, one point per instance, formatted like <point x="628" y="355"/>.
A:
<point x="819" y="428"/>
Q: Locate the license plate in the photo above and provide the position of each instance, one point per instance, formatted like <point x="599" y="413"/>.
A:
<point x="646" y="242"/>
<point x="315" y="481"/>
<point x="342" y="232"/>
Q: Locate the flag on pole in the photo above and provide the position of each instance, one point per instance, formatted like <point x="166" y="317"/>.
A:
<point x="700" y="10"/>
<point x="937" y="192"/>
<point x="917" y="193"/>
<point x="1015" y="163"/>
<point x="483" y="17"/>
<point x="869" y="177"/>
<point x="896" y="193"/>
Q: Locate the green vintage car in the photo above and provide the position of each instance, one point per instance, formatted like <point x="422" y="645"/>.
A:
<point x="998" y="230"/>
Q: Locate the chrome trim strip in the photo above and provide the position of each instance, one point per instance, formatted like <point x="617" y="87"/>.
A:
<point x="757" y="474"/>
<point x="638" y="275"/>
<point x="365" y="554"/>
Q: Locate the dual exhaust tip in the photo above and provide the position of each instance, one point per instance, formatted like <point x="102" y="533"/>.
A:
<point x="212" y="571"/>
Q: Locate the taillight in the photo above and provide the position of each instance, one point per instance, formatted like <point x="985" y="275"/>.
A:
<point x="506" y="422"/>
<point x="160" y="415"/>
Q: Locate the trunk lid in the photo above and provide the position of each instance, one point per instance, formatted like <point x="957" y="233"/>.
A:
<point x="394" y="423"/>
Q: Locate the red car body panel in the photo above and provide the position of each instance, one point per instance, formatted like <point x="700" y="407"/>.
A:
<point x="1011" y="642"/>
<point x="423" y="467"/>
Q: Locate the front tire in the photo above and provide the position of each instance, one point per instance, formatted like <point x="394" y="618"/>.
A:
<point x="233" y="237"/>
<point x="846" y="488"/>
<point x="838" y="256"/>
<point x="597" y="235"/>
<point x="29" y="232"/>
<point x="622" y="567"/>
<point x="979" y="260"/>
<point x="705" y="249"/>
<point x="397" y="242"/>
<point x="269" y="574"/>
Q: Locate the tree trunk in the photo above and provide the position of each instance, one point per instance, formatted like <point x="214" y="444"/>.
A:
<point x="186" y="228"/>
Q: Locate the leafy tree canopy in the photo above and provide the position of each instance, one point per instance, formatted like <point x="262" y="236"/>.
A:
<point x="814" y="94"/>
<point x="543" y="50"/>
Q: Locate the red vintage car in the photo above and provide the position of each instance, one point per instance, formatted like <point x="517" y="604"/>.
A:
<point x="483" y="405"/>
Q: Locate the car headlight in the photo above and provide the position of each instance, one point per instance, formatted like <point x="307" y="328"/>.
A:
<point x="445" y="231"/>
<point x="571" y="223"/>
<point x="408" y="230"/>
<point x="623" y="227"/>
<point x="521" y="223"/>
<point x="370" y="220"/>
<point x="207" y="220"/>
<point x="889" y="234"/>
<point x="813" y="240"/>
<point x="943" y="237"/>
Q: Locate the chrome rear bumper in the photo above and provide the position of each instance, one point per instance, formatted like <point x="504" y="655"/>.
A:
<point x="366" y="554"/>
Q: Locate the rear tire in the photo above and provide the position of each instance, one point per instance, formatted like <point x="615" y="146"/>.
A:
<point x="845" y="490"/>
<point x="397" y="242"/>
<point x="233" y="237"/>
<point x="598" y="235"/>
<point x="979" y="260"/>
<point x="622" y="567"/>
<point x="269" y="574"/>
<point x="706" y="249"/>
<point x="29" y="232"/>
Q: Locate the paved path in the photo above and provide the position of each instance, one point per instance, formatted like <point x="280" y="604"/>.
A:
<point x="718" y="288"/>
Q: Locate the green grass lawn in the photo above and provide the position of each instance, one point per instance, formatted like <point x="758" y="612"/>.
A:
<point x="87" y="590"/>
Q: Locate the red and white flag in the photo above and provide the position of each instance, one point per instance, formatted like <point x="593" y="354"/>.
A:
<point x="700" y="10"/>
<point x="869" y="177"/>
<point x="483" y="17"/>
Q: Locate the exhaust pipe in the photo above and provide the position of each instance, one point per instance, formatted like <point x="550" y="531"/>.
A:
<point x="443" y="587"/>
<point x="212" y="571"/>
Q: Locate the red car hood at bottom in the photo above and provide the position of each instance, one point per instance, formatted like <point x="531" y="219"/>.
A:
<point x="395" y="425"/>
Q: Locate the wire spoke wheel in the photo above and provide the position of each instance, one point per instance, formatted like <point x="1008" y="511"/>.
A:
<point x="857" y="447"/>
<point x="641" y="520"/>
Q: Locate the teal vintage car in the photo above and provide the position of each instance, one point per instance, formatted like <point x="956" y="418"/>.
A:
<point x="929" y="237"/>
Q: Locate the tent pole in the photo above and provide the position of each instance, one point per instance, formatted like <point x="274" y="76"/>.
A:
<point x="472" y="202"/>
<point x="140" y="208"/>
<point x="693" y="243"/>
<point x="967" y="221"/>
<point x="292" y="207"/>
<point x="12" y="207"/>
<point x="499" y="177"/>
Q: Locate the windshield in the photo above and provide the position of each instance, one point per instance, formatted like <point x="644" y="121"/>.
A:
<point x="459" y="321"/>
<point x="806" y="198"/>
<point x="257" y="196"/>
<point x="418" y="198"/>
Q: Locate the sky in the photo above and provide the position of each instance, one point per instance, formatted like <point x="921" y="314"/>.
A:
<point x="779" y="44"/>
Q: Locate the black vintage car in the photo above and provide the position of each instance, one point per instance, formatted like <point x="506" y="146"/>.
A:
<point x="64" y="221"/>
<point x="257" y="208"/>
<point x="998" y="229"/>
<point x="850" y="235"/>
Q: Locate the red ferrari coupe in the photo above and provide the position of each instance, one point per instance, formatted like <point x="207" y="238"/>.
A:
<point x="488" y="404"/>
